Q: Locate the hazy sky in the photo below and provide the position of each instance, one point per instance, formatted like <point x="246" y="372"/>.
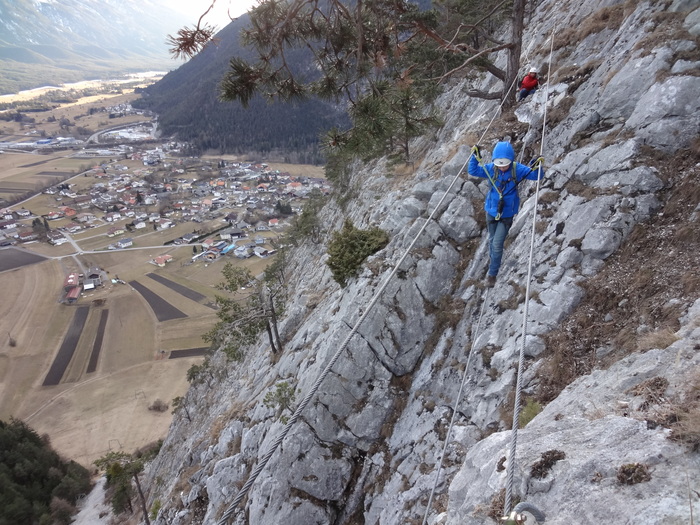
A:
<point x="218" y="15"/>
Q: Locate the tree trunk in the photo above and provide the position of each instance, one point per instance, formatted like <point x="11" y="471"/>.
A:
<point x="142" y="499"/>
<point x="516" y="39"/>
<point x="273" y="321"/>
<point x="270" y="337"/>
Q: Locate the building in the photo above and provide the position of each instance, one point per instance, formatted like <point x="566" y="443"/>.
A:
<point x="162" y="260"/>
<point x="73" y="294"/>
<point x="56" y="238"/>
<point x="125" y="243"/>
<point x="27" y="236"/>
<point x="72" y="281"/>
<point x="115" y="230"/>
<point x="85" y="217"/>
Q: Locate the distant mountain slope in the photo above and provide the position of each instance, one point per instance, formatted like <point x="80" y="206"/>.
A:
<point x="187" y="103"/>
<point x="48" y="42"/>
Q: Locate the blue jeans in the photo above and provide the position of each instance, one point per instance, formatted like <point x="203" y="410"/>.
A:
<point x="497" y="236"/>
<point x="524" y="93"/>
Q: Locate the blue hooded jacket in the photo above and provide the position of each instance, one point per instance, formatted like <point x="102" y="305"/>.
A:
<point x="502" y="183"/>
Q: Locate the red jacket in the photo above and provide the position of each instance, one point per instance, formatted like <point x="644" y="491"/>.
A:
<point x="529" y="82"/>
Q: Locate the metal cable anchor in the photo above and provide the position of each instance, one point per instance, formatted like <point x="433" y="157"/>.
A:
<point x="516" y="518"/>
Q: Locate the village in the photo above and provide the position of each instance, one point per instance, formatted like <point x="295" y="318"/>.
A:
<point x="231" y="209"/>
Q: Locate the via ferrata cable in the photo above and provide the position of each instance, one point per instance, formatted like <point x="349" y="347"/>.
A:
<point x="521" y="357"/>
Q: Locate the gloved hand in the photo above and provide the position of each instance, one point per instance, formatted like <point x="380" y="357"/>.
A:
<point x="537" y="163"/>
<point x="476" y="152"/>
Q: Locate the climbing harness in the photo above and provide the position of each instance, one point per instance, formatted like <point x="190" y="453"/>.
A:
<point x="521" y="357"/>
<point x="535" y="165"/>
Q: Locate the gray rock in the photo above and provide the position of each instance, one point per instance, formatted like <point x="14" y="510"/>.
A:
<point x="316" y="471"/>
<point x="434" y="276"/>
<point x="667" y="116"/>
<point x="571" y="163"/>
<point x="601" y="242"/>
<point x="410" y="208"/>
<point x="591" y="265"/>
<point x="631" y="82"/>
<point x="458" y="220"/>
<point x="614" y="158"/>
<point x="424" y="190"/>
<point x="556" y="302"/>
<point x="220" y="484"/>
<point x="584" y="215"/>
<point x="682" y="66"/>
<point x="457" y="163"/>
<point x="534" y="346"/>
<point x="586" y="413"/>
<point x="692" y="21"/>
<point x="645" y="206"/>
<point x="683" y="5"/>
<point x="569" y="257"/>
<point x="640" y="179"/>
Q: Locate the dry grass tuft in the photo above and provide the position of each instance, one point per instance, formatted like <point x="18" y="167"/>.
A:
<point x="685" y="420"/>
<point x="686" y="429"/>
<point x="667" y="26"/>
<point x="606" y="18"/>
<point x="633" y="473"/>
<point x="576" y="187"/>
<point x="652" y="389"/>
<point x="660" y="339"/>
<point x="560" y="112"/>
<point x="494" y="509"/>
<point x="548" y="197"/>
<point x="540" y="469"/>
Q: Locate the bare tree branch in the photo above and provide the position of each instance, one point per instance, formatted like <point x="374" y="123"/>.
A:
<point x="493" y="70"/>
<point x="477" y="93"/>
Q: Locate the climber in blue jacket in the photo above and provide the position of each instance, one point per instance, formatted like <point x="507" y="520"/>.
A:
<point x="502" y="201"/>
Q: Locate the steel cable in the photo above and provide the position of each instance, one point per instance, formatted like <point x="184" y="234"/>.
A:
<point x="521" y="357"/>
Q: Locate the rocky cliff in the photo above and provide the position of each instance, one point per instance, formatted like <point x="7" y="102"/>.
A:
<point x="610" y="343"/>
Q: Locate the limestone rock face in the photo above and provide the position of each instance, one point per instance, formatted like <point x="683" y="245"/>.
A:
<point x="596" y="410"/>
<point x="666" y="116"/>
<point x="417" y="398"/>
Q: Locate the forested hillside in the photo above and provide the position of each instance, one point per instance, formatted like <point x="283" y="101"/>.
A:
<point x="188" y="105"/>
<point x="36" y="485"/>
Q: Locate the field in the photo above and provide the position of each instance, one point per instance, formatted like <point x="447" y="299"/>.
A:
<point x="86" y="413"/>
<point x="86" y="373"/>
<point x="24" y="172"/>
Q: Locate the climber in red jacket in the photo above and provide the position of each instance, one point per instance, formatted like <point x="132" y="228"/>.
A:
<point x="529" y="84"/>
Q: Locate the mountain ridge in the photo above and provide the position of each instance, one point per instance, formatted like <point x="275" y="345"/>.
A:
<point x="82" y="40"/>
<point x="188" y="105"/>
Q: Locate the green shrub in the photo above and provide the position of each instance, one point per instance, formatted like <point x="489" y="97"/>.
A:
<point x="529" y="411"/>
<point x="281" y="399"/>
<point x="155" y="508"/>
<point x="350" y="247"/>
